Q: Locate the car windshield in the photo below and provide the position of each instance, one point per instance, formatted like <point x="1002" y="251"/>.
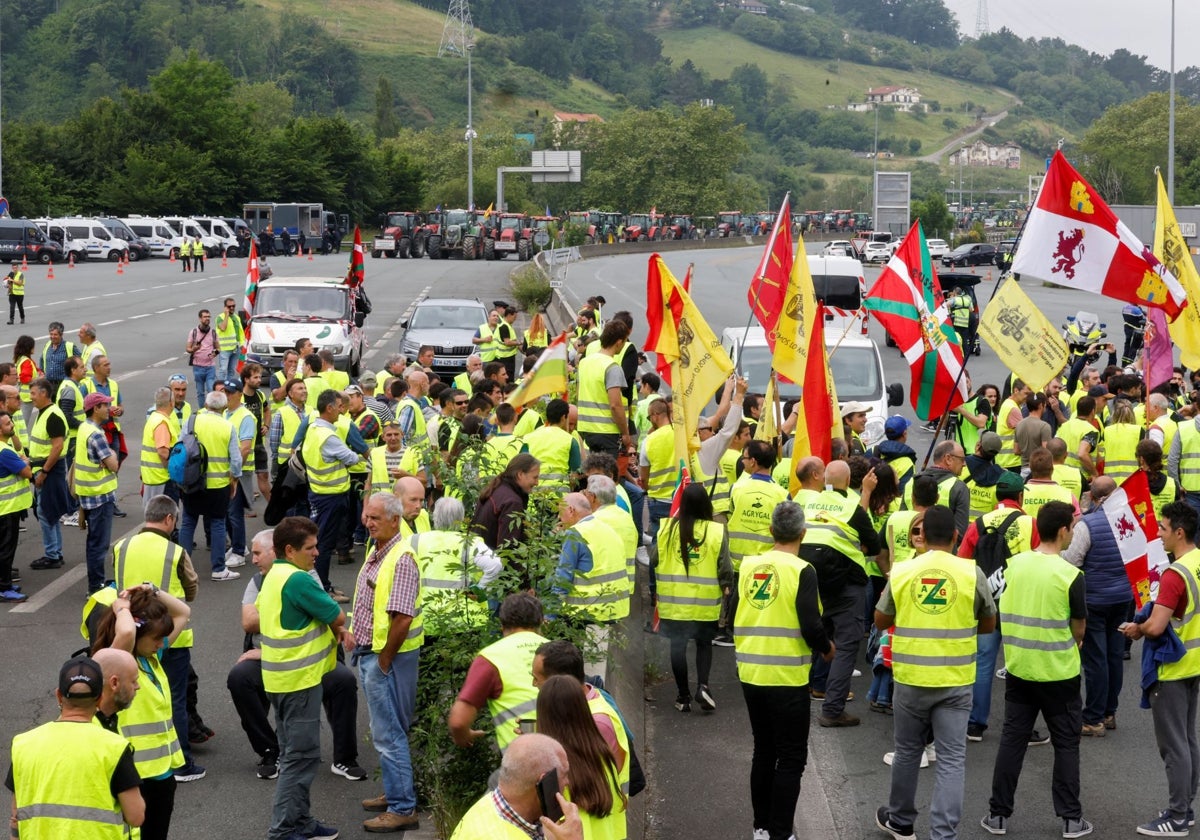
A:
<point x="456" y="217"/>
<point x="963" y="249"/>
<point x="398" y="220"/>
<point x="856" y="374"/>
<point x="839" y="290"/>
<point x="304" y="302"/>
<point x="755" y="366"/>
<point x="510" y="223"/>
<point x="447" y="318"/>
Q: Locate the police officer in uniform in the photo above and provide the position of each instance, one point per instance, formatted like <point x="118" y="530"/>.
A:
<point x="961" y="309"/>
<point x="937" y="603"/>
<point x="777" y="629"/>
<point x="1044" y="614"/>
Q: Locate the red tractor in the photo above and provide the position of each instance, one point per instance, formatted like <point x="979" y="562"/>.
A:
<point x="730" y="223"/>
<point x="644" y="226"/>
<point x="681" y="227"/>
<point x="403" y="236"/>
<point x="508" y="233"/>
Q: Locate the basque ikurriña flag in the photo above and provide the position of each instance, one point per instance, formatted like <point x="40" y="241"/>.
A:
<point x="907" y="299"/>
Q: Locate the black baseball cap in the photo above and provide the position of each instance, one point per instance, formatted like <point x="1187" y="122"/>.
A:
<point x="80" y="677"/>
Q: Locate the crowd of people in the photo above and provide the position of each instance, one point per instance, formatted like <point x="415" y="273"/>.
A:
<point x="444" y="491"/>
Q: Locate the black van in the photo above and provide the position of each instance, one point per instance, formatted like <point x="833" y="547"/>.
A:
<point x="21" y="238"/>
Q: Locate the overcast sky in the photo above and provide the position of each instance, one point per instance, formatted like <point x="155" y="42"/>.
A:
<point x="1102" y="26"/>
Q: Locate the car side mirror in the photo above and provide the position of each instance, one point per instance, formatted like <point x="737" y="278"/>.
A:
<point x="359" y="319"/>
<point x="404" y="325"/>
<point x="895" y="393"/>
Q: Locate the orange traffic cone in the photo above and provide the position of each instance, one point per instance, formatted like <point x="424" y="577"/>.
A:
<point x="50" y="273"/>
<point x="224" y="260"/>
<point x="71" y="260"/>
<point x="310" y="259"/>
<point x="24" y="264"/>
<point x="120" y="267"/>
<point x="172" y="255"/>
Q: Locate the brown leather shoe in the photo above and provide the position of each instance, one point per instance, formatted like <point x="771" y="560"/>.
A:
<point x="391" y="821"/>
<point x="841" y="720"/>
<point x="379" y="803"/>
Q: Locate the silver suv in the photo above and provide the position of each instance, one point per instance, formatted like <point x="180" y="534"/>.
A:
<point x="447" y="325"/>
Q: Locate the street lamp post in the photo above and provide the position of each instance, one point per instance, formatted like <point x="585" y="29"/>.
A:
<point x="471" y="135"/>
<point x="1171" y="118"/>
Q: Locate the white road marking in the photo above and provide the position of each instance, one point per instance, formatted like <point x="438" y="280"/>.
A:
<point x="165" y="311"/>
<point x="135" y="317"/>
<point x="52" y="590"/>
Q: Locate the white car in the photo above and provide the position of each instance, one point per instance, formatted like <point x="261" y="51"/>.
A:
<point x="938" y="248"/>
<point x="876" y="252"/>
<point x="838" y="248"/>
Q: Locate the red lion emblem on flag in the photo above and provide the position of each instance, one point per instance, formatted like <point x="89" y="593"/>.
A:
<point x="1068" y="253"/>
<point x="1125" y="528"/>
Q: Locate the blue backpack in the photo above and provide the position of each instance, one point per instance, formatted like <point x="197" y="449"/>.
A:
<point x="188" y="462"/>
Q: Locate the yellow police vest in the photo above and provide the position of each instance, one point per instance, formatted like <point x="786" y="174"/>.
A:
<point x="448" y="577"/>
<point x="16" y="493"/>
<point x="1007" y="458"/>
<point x="603" y="593"/>
<point x="692" y="593"/>
<point x="827" y="519"/>
<point x="1036" y="615"/>
<point x="77" y="412"/>
<point x="551" y="445"/>
<point x="1120" y="445"/>
<point x="92" y="478"/>
<point x="752" y="503"/>
<point x="766" y="632"/>
<point x="1070" y="478"/>
<point x="54" y="800"/>
<point x="382" y="589"/>
<point x="663" y="476"/>
<point x="1188" y="627"/>
<point x="215" y="433"/>
<point x="934" y="644"/>
<point x="148" y="722"/>
<point x="39" y="438"/>
<point x="324" y="477"/>
<point x="1038" y="494"/>
<point x="512" y="657"/>
<point x="151" y="556"/>
<point x="292" y="660"/>
<point x="595" y="413"/>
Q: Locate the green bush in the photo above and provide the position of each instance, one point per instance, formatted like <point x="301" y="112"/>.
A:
<point x="531" y="288"/>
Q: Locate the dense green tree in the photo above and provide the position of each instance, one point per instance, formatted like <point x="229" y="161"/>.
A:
<point x="936" y="218"/>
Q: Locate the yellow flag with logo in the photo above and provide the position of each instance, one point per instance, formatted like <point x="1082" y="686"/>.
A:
<point x="1024" y="339"/>
<point x="699" y="364"/>
<point x="767" y="429"/>
<point x="1172" y="251"/>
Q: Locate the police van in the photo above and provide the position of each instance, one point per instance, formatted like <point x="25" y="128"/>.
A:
<point x="23" y="239"/>
<point x="99" y="241"/>
<point x="855" y="364"/>
<point x="72" y="249"/>
<point x="188" y="226"/>
<point x="219" y="230"/>
<point x="164" y="240"/>
<point x="323" y="310"/>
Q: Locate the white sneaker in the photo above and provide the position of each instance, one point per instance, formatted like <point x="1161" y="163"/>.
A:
<point x="1001" y="673"/>
<point x="234" y="560"/>
<point x="71" y="520"/>
<point x="925" y="759"/>
<point x="930" y="756"/>
<point x="649" y="540"/>
<point x="762" y="834"/>
<point x="225" y="574"/>
<point x="857" y="673"/>
<point x="643" y="556"/>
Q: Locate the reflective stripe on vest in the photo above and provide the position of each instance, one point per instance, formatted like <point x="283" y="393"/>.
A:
<point x="448" y="574"/>
<point x="1039" y="493"/>
<point x="827" y="519"/>
<point x="292" y="660"/>
<point x="1189" y="456"/>
<point x="289" y="426"/>
<point x="752" y="503"/>
<point x="235" y="419"/>
<point x="91" y="477"/>
<point x="148" y="723"/>
<point x="716" y="485"/>
<point x="512" y="657"/>
<point x="1120" y="445"/>
<point x="1187" y="628"/>
<point x="1036" y="615"/>
<point x="1072" y="432"/>
<point x="694" y="593"/>
<point x="595" y="413"/>
<point x="603" y="593"/>
<point x="324" y="477"/>
<point x="551" y="445"/>
<point x="39" y="438"/>
<point x="663" y="474"/>
<point x="381" y="621"/>
<point x="151" y="556"/>
<point x="215" y="433"/>
<point x="1007" y="458"/>
<point x="769" y="647"/>
<point x="16" y="493"/>
<point x="77" y="412"/>
<point x="934" y="644"/>
<point x="153" y="470"/>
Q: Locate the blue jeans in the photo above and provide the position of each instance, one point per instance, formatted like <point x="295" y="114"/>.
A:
<point x="235" y="522"/>
<point x="391" y="701"/>
<point x="329" y="511"/>
<point x="227" y="364"/>
<point x="205" y="378"/>
<point x="176" y="663"/>
<point x="213" y="505"/>
<point x="298" y="728"/>
<point x="881" y="687"/>
<point x="637" y="503"/>
<point x="99" y="534"/>
<point x="51" y="535"/>
<point x="985" y="669"/>
<point x="1102" y="653"/>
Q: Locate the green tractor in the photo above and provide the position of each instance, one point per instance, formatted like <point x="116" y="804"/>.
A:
<point x="458" y="232"/>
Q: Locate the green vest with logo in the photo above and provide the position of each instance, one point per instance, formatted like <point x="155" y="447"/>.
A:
<point x="827" y="519"/>
<point x="692" y="593"/>
<point x="934" y="643"/>
<point x="752" y="504"/>
<point x="1038" y="494"/>
<point x="766" y="637"/>
<point x="1069" y="477"/>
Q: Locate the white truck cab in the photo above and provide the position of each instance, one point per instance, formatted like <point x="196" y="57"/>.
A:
<point x="188" y="226"/>
<point x="219" y="230"/>
<point x="317" y="308"/>
<point x="97" y="239"/>
<point x="164" y="240"/>
<point x="59" y="233"/>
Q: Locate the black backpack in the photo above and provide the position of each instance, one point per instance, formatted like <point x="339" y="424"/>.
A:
<point x="188" y="462"/>
<point x="992" y="551"/>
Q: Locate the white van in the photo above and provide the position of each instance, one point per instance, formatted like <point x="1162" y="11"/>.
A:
<point x="839" y="284"/>
<point x="99" y="241"/>
<point x="59" y="234"/>
<point x="164" y="240"/>
<point x="219" y="230"/>
<point x="857" y="373"/>
<point x="188" y="226"/>
<point x="317" y="308"/>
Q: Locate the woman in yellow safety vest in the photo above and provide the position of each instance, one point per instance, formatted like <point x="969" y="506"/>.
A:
<point x="596" y="776"/>
<point x="693" y="571"/>
<point x="537" y="337"/>
<point x="145" y="621"/>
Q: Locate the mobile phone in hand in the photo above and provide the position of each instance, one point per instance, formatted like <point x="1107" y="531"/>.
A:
<point x="547" y="790"/>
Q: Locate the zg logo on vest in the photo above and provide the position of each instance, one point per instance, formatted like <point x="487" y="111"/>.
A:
<point x="933" y="591"/>
<point x="762" y="588"/>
